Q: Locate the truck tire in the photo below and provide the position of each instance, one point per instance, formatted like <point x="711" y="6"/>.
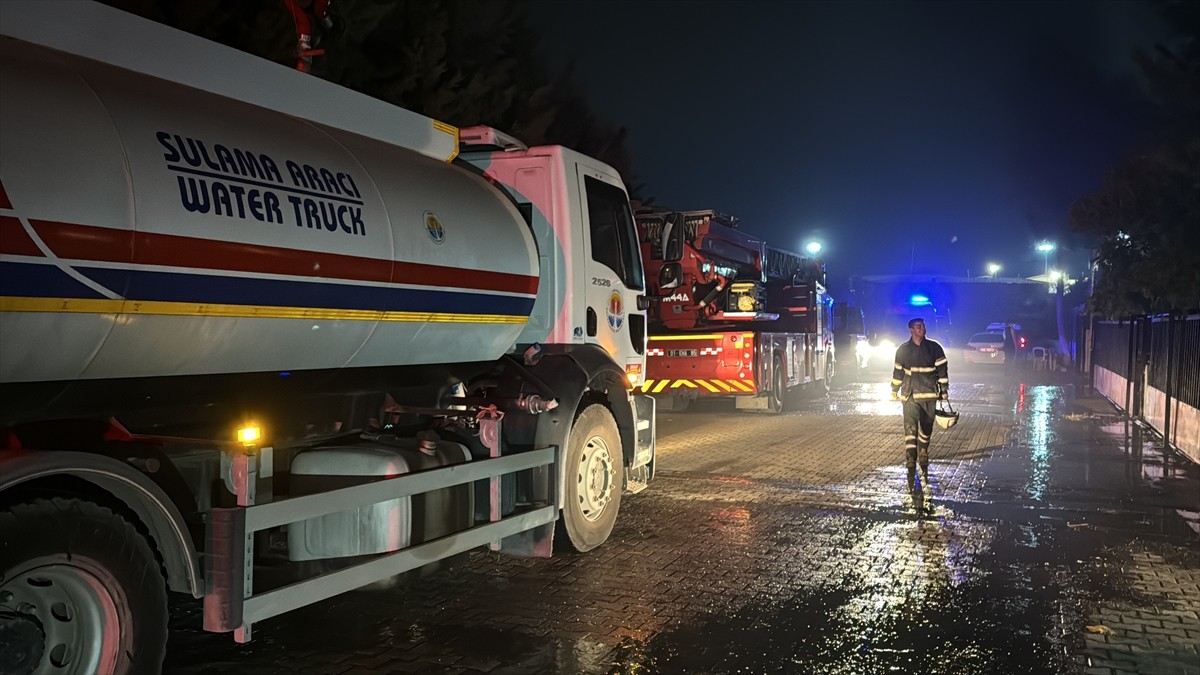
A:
<point x="777" y="397"/>
<point x="91" y="581"/>
<point x="594" y="471"/>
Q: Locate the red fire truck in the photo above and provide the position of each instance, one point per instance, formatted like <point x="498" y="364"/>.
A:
<point x="730" y="316"/>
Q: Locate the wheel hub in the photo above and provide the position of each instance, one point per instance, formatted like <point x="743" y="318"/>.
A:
<point x="75" y="612"/>
<point x="596" y="476"/>
<point x="23" y="640"/>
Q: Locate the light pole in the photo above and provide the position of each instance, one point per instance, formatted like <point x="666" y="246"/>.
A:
<point x="1045" y="247"/>
<point x="992" y="268"/>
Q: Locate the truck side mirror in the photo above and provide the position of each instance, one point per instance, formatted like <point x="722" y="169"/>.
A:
<point x="670" y="275"/>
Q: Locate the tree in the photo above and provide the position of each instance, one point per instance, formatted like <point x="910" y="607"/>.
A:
<point x="1146" y="213"/>
<point x="465" y="62"/>
<point x="1146" y="217"/>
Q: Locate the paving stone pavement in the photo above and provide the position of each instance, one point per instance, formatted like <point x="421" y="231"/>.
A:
<point x="789" y="544"/>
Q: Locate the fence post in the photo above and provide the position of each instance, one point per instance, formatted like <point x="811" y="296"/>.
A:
<point x="1169" y="390"/>
<point x="1129" y="370"/>
<point x="1130" y="347"/>
<point x="1145" y="350"/>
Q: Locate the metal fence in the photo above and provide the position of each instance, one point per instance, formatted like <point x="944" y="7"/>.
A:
<point x="1150" y="367"/>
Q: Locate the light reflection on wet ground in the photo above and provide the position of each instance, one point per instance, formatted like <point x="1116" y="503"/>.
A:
<point x="788" y="544"/>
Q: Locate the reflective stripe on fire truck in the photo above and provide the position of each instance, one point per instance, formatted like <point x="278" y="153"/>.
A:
<point x="707" y="336"/>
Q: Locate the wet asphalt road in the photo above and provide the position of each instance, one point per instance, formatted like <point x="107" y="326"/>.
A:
<point x="1044" y="543"/>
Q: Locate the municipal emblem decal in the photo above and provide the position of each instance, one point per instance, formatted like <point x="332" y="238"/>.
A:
<point x="434" y="227"/>
<point x="616" y="311"/>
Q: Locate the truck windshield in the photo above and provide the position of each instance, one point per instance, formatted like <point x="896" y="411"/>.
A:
<point x="614" y="240"/>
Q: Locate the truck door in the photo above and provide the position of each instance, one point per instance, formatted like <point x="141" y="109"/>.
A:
<point x="612" y="267"/>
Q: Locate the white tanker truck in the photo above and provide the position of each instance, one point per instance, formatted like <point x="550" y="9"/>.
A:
<point x="248" y="316"/>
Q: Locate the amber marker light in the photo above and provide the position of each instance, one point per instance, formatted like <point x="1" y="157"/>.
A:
<point x="633" y="372"/>
<point x="249" y="435"/>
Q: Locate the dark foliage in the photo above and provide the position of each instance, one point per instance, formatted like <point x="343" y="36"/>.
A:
<point x="465" y="62"/>
<point x="1146" y="216"/>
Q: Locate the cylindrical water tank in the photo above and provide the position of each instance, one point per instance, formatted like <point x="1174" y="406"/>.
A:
<point x="148" y="229"/>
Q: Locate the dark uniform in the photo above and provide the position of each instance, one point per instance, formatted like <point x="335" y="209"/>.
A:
<point x="1010" y="348"/>
<point x="920" y="378"/>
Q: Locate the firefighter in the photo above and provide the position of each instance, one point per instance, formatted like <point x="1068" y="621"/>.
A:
<point x="919" y="378"/>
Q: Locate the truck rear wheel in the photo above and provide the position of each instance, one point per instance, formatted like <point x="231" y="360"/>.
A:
<point x="594" y="471"/>
<point x="776" y="398"/>
<point x="90" y="581"/>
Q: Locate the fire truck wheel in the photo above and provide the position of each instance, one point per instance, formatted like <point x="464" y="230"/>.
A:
<point x="594" y="471"/>
<point x="91" y="582"/>
<point x="778" y="394"/>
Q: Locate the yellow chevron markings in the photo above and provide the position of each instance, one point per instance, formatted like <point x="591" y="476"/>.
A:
<point x="712" y="386"/>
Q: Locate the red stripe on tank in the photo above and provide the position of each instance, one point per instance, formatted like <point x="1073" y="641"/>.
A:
<point x="14" y="240"/>
<point x="85" y="242"/>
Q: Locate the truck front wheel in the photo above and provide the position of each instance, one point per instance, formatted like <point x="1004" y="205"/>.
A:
<point x="89" y="581"/>
<point x="594" y="471"/>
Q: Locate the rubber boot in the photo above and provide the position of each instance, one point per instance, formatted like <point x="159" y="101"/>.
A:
<point x="910" y="463"/>
<point x="923" y="460"/>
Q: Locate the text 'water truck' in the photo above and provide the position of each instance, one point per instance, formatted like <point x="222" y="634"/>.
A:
<point x="248" y="316"/>
<point x="731" y="316"/>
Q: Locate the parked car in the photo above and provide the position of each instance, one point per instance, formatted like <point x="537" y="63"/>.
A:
<point x="998" y="327"/>
<point x="986" y="347"/>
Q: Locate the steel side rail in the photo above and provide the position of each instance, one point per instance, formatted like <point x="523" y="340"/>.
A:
<point x="273" y="603"/>
<point x="230" y="604"/>
<point x="295" y="509"/>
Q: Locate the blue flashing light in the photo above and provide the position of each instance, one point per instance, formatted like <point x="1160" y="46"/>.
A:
<point x="919" y="301"/>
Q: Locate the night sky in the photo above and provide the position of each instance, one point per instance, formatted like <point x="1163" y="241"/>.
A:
<point x="925" y="137"/>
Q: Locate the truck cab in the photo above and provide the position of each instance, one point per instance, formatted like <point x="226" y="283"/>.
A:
<point x="580" y="216"/>
<point x="590" y="302"/>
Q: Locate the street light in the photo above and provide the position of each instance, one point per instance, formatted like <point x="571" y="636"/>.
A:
<point x="813" y="247"/>
<point x="992" y="269"/>
<point x="1045" y="247"/>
